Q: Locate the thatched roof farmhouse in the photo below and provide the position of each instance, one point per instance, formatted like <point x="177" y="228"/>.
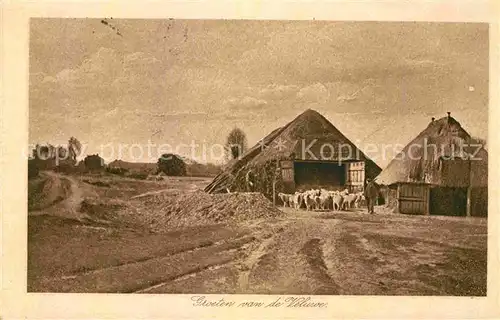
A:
<point x="441" y="171"/>
<point x="307" y="152"/>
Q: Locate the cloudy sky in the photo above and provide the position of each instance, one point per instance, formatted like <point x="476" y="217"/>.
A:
<point x="174" y="81"/>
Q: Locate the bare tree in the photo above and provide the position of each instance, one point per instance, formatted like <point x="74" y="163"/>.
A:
<point x="236" y="143"/>
<point x="74" y="148"/>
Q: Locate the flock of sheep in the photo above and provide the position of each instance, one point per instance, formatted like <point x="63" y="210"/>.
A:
<point x="321" y="199"/>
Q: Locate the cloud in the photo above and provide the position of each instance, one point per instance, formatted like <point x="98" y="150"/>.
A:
<point x="353" y="95"/>
<point x="140" y="58"/>
<point x="246" y="103"/>
<point x="314" y="93"/>
<point x="49" y="79"/>
<point x="104" y="68"/>
<point x="142" y="65"/>
<point x="106" y="83"/>
<point x="67" y="75"/>
<point x="96" y="71"/>
<point x="37" y="77"/>
<point x="347" y="98"/>
<point x="177" y="116"/>
<point x="111" y="77"/>
<point x="111" y="113"/>
<point x="421" y="63"/>
<point x="279" y="91"/>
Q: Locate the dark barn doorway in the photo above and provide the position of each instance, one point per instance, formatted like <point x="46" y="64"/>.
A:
<point x="448" y="201"/>
<point x="319" y="174"/>
<point x="479" y="202"/>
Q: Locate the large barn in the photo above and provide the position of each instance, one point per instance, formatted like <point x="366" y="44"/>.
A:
<point x="443" y="171"/>
<point x="309" y="152"/>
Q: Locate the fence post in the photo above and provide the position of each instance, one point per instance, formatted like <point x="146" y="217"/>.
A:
<point x="398" y="204"/>
<point x="469" y="193"/>
<point x="274" y="192"/>
<point x="275" y="179"/>
<point x="427" y="195"/>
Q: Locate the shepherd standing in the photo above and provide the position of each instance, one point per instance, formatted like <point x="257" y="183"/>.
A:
<point x="371" y="194"/>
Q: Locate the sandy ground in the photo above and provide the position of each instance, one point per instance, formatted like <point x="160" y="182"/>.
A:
<point x="346" y="253"/>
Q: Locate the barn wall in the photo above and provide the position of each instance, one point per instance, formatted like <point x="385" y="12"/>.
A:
<point x="479" y="170"/>
<point x="455" y="173"/>
<point x="479" y="202"/>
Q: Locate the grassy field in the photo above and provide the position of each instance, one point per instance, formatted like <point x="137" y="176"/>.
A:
<point x="90" y="236"/>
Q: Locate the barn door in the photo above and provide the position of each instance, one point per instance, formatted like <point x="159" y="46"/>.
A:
<point x="355" y="175"/>
<point x="288" y="176"/>
<point x="413" y="199"/>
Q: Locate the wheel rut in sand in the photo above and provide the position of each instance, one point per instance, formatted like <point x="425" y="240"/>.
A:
<point x="190" y="273"/>
<point x="259" y="254"/>
<point x="71" y="197"/>
<point x="289" y="260"/>
<point x="251" y="261"/>
<point x="137" y="261"/>
<point x="313" y="254"/>
<point x="151" y="272"/>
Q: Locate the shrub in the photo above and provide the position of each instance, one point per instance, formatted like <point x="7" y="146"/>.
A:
<point x="33" y="169"/>
<point x="138" y="175"/>
<point x="117" y="171"/>
<point x="172" y="165"/>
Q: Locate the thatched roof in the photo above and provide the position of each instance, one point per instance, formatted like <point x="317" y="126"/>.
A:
<point x="302" y="139"/>
<point x="423" y="160"/>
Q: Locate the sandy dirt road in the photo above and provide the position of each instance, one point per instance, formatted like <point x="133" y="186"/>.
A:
<point x="67" y="195"/>
<point x="304" y="253"/>
<point x="350" y="254"/>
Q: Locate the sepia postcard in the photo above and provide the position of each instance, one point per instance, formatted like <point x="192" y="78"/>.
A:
<point x="250" y="160"/>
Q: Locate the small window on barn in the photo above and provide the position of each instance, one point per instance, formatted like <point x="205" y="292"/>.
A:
<point x="287" y="174"/>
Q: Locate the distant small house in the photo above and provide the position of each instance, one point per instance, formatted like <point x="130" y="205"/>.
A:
<point x="94" y="162"/>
